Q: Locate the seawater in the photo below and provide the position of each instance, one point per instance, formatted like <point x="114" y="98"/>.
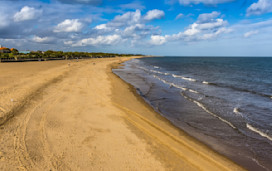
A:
<point x="224" y="102"/>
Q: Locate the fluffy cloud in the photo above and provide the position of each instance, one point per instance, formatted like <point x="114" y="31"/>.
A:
<point x="127" y="18"/>
<point x="157" y="40"/>
<point x="208" y="2"/>
<point x="130" y="26"/>
<point x="179" y="16"/>
<point x="99" y="40"/>
<point x="44" y="40"/>
<point x="154" y="14"/>
<point x="68" y="25"/>
<point x="101" y="27"/>
<point x="89" y="2"/>
<point x="206" y="27"/>
<point x="260" y="7"/>
<point x="27" y="13"/>
<point x="207" y="17"/>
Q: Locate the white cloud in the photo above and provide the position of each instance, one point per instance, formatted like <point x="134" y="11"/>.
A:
<point x="68" y="25"/>
<point x="211" y="25"/>
<point x="99" y="40"/>
<point x="207" y="17"/>
<point x="192" y="30"/>
<point x="27" y="13"/>
<point x="130" y="26"/>
<point x="179" y="16"/>
<point x="157" y="40"/>
<point x="215" y="34"/>
<point x="132" y="29"/>
<point x="101" y="27"/>
<point x="154" y="14"/>
<point x="45" y="40"/>
<point x="207" y="2"/>
<point x="250" y="33"/>
<point x="260" y="7"/>
<point x="127" y="18"/>
<point x="206" y="27"/>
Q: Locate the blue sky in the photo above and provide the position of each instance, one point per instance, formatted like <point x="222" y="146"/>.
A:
<point x="161" y="27"/>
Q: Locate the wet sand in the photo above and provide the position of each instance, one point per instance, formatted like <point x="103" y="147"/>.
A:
<point x="68" y="115"/>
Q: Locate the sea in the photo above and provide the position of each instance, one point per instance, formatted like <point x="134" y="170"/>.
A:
<point x="224" y="102"/>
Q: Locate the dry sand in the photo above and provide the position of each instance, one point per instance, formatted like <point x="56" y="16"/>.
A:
<point x="81" y="116"/>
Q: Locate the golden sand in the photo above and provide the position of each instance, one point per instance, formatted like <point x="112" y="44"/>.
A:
<point x="67" y="115"/>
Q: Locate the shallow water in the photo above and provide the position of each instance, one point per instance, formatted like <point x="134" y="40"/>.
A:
<point x="224" y="102"/>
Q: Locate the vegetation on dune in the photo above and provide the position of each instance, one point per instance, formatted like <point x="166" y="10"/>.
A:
<point x="50" y="54"/>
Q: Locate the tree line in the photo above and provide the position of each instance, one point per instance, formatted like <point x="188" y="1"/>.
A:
<point x="50" y="54"/>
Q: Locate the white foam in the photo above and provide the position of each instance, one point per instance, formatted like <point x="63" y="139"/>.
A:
<point x="258" y="131"/>
<point x="205" y="82"/>
<point x="176" y="76"/>
<point x="158" y="72"/>
<point x="179" y="87"/>
<point x="223" y="120"/>
<point x="143" y="68"/>
<point x="156" y="67"/>
<point x="236" y="111"/>
<point x="164" y="81"/>
<point x="189" y="79"/>
<point x="184" y="78"/>
<point x="193" y="91"/>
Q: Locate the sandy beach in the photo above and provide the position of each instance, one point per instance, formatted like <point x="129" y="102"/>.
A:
<point x="68" y="115"/>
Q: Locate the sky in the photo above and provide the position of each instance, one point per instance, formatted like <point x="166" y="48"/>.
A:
<point x="158" y="27"/>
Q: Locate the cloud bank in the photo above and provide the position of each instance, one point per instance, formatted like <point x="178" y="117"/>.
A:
<point x="260" y="7"/>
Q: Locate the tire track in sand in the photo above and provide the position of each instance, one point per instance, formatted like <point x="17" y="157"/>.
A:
<point x="48" y="160"/>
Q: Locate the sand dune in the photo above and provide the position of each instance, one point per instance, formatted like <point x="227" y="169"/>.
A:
<point x="81" y="116"/>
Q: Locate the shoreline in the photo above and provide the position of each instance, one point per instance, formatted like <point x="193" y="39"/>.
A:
<point x="164" y="101"/>
<point x="167" y="127"/>
<point x="80" y="115"/>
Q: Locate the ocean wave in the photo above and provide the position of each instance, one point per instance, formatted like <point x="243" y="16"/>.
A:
<point x="156" y="67"/>
<point x="171" y="84"/>
<point x="184" y="78"/>
<point x="193" y="91"/>
<point x="236" y="110"/>
<point x="256" y="130"/>
<point x="143" y="68"/>
<point x="159" y="72"/>
<point x="237" y="89"/>
<point x="211" y="113"/>
<point x="162" y="80"/>
<point x="179" y="87"/>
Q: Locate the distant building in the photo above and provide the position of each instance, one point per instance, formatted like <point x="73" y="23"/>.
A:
<point x="4" y="49"/>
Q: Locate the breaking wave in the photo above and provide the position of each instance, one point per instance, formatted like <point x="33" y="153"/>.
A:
<point x="159" y="72"/>
<point x="184" y="78"/>
<point x="211" y="113"/>
<point x="237" y="111"/>
<point x="256" y="130"/>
